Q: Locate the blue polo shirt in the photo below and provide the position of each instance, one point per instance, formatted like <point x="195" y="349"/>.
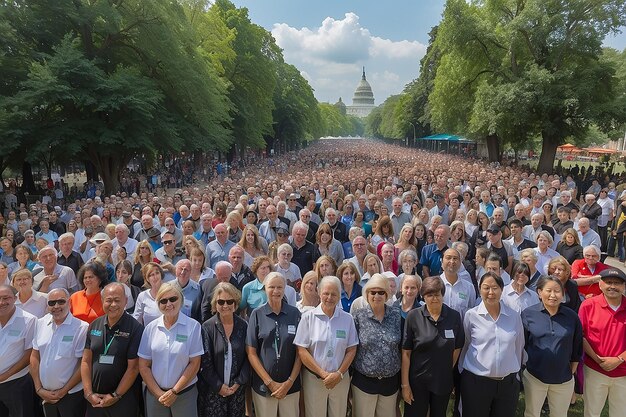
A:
<point x="552" y="343"/>
<point x="432" y="257"/>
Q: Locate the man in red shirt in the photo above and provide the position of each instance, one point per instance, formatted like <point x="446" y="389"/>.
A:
<point x="603" y="319"/>
<point x="586" y="271"/>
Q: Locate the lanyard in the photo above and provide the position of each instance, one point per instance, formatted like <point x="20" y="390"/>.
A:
<point x="277" y="340"/>
<point x="108" y="345"/>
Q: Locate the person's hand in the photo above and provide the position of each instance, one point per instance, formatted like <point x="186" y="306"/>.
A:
<point x="332" y="379"/>
<point x="282" y="390"/>
<point x="47" y="396"/>
<point x="608" y="363"/>
<point x="168" y="398"/>
<point x="49" y="279"/>
<point x="108" y="400"/>
<point x="95" y="400"/>
<point x="407" y="394"/>
<point x="121" y="254"/>
<point x="224" y="391"/>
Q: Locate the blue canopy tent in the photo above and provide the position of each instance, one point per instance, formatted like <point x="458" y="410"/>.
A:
<point x="448" y="143"/>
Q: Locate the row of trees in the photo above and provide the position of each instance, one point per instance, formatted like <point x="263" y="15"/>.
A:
<point x="513" y="73"/>
<point x="104" y="81"/>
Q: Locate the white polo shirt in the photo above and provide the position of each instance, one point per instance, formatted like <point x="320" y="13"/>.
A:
<point x="16" y="337"/>
<point x="326" y="338"/>
<point x="461" y="296"/>
<point x="37" y="304"/>
<point x="170" y="350"/>
<point x="130" y="246"/>
<point x="60" y="350"/>
<point x="146" y="308"/>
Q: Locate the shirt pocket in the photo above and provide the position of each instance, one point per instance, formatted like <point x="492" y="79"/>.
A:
<point x="66" y="347"/>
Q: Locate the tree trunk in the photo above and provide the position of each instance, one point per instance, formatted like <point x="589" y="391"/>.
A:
<point x="109" y="169"/>
<point x="493" y="147"/>
<point x="548" y="153"/>
<point x="28" y="183"/>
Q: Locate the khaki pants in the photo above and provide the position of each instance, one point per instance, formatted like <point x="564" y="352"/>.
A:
<point x="597" y="388"/>
<point x="271" y="407"/>
<point x="535" y="391"/>
<point x="372" y="405"/>
<point x="321" y="402"/>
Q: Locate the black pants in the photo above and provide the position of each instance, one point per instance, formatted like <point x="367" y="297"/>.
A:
<point x="604" y="237"/>
<point x="17" y="397"/>
<point x="423" y="399"/>
<point x="72" y="405"/>
<point x="485" y="397"/>
<point x="125" y="407"/>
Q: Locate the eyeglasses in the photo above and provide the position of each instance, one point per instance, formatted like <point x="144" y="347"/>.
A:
<point x="229" y="302"/>
<point x="168" y="242"/>
<point x="378" y="292"/>
<point x="172" y="300"/>
<point x="60" y="302"/>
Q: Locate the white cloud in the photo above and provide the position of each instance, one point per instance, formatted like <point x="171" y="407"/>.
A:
<point x="333" y="54"/>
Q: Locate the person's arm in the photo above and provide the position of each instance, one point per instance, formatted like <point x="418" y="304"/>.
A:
<point x="18" y="366"/>
<point x="43" y="393"/>
<point x="407" y="393"/>
<point x="509" y="267"/>
<point x="425" y="271"/>
<point x="333" y="378"/>
<point x="85" y="373"/>
<point x="127" y="381"/>
<point x="608" y="363"/>
<point x="145" y="371"/>
<point x="309" y="362"/>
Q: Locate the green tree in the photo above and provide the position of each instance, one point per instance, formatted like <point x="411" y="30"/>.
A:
<point x="513" y="70"/>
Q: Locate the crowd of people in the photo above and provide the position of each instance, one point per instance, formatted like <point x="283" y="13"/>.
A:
<point x="349" y="277"/>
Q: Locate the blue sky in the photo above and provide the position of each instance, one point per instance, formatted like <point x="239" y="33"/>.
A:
<point x="330" y="40"/>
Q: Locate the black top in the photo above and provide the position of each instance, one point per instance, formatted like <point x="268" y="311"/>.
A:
<point x="432" y="344"/>
<point x="124" y="340"/>
<point x="74" y="261"/>
<point x="571" y="253"/>
<point x="571" y="297"/>
<point x="137" y="278"/>
<point x="560" y="228"/>
<point x="552" y="343"/>
<point x="241" y="278"/>
<point x="340" y="232"/>
<point x="305" y="257"/>
<point x="272" y="336"/>
<point x="211" y="375"/>
<point x="525" y="244"/>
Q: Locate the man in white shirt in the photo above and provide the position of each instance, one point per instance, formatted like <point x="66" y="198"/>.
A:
<point x="53" y="275"/>
<point x="55" y="360"/>
<point x="16" y="343"/>
<point x="460" y="294"/>
<point x="122" y="240"/>
<point x="587" y="235"/>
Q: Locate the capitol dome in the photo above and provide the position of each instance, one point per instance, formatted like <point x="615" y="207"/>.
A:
<point x="363" y="94"/>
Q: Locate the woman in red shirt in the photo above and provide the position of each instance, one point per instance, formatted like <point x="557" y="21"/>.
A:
<point x="86" y="304"/>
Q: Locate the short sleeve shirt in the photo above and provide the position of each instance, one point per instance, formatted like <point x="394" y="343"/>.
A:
<point x="16" y="337"/>
<point x="123" y="341"/>
<point x="170" y="349"/>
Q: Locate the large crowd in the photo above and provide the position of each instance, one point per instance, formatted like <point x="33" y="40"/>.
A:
<point x="349" y="277"/>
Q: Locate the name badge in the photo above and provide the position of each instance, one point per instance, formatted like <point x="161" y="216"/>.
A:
<point x="14" y="332"/>
<point x="341" y="334"/>
<point x="449" y="334"/>
<point x="96" y="333"/>
<point x="68" y="338"/>
<point x="291" y="329"/>
<point x="187" y="304"/>
<point x="462" y="296"/>
<point x="106" y="359"/>
<point x="181" y="337"/>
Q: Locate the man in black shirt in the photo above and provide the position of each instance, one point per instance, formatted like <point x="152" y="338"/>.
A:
<point x="110" y="363"/>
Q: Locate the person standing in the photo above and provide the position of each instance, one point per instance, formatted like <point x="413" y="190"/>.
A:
<point x="169" y="358"/>
<point x="55" y="360"/>
<point x="553" y="355"/>
<point x="492" y="354"/>
<point x="603" y="319"/>
<point x="109" y="365"/>
<point x="433" y="337"/>
<point x="17" y="328"/>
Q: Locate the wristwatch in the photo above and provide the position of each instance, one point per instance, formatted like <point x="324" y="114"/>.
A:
<point x="114" y="394"/>
<point x="173" y="391"/>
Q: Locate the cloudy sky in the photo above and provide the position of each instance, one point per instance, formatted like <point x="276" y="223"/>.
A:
<point x="330" y="41"/>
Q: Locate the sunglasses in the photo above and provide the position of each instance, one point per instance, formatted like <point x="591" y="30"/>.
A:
<point x="60" y="302"/>
<point x="172" y="300"/>
<point x="168" y="242"/>
<point x="378" y="292"/>
<point x="229" y="302"/>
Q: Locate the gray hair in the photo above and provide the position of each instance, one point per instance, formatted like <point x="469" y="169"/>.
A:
<point x="592" y="248"/>
<point x="66" y="236"/>
<point x="331" y="280"/>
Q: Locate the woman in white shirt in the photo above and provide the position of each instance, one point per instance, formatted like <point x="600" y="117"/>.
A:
<point x="169" y="358"/>
<point x="492" y="355"/>
<point x="146" y="306"/>
<point x="31" y="301"/>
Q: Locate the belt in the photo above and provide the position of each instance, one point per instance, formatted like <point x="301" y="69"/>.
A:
<point x="189" y="388"/>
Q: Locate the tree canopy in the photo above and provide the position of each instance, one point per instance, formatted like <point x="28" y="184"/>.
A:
<point x="106" y="81"/>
